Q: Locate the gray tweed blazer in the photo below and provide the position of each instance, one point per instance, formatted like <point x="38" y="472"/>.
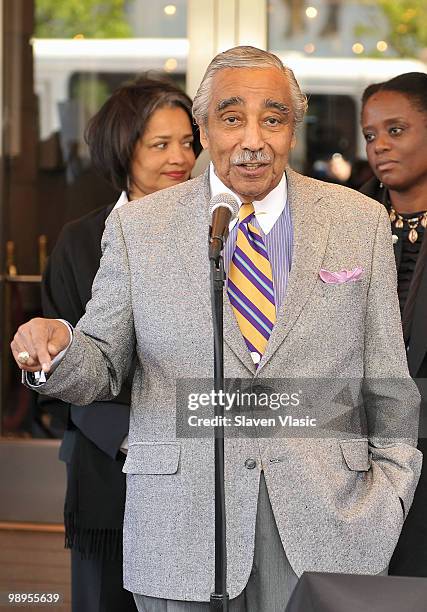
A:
<point x="335" y="498"/>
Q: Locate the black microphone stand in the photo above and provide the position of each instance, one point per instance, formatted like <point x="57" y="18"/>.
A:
<point x="219" y="598"/>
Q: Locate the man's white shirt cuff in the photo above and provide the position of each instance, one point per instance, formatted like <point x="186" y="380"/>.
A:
<point x="39" y="378"/>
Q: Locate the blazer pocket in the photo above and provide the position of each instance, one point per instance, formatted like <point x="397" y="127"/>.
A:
<point x="152" y="458"/>
<point x="351" y="288"/>
<point x="356" y="454"/>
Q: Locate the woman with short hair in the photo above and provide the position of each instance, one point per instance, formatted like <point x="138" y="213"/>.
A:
<point x="394" y="123"/>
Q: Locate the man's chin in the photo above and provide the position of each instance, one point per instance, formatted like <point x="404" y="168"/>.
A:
<point x="252" y="189"/>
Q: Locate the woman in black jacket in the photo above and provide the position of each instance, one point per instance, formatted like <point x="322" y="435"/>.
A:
<point x="141" y="140"/>
<point x="394" y="123"/>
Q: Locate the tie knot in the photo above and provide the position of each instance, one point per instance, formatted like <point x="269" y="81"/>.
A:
<point x="246" y="210"/>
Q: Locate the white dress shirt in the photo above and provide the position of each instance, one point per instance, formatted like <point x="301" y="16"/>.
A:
<point x="122" y="200"/>
<point x="267" y="211"/>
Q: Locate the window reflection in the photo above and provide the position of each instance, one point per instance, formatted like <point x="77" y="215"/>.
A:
<point x="336" y="49"/>
<point x="326" y="27"/>
<point x="59" y="69"/>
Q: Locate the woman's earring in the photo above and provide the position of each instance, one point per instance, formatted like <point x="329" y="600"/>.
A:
<point x="381" y="185"/>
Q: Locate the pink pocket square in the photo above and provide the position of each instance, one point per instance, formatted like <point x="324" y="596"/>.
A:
<point x="345" y="276"/>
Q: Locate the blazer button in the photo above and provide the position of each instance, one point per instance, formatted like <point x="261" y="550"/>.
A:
<point x="250" y="464"/>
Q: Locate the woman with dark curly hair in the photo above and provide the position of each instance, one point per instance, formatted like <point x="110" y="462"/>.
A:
<point x="141" y="140"/>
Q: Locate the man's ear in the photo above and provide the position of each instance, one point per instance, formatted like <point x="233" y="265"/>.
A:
<point x="293" y="141"/>
<point x="204" y="136"/>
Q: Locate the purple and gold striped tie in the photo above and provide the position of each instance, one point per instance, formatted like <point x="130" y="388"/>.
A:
<point x="250" y="285"/>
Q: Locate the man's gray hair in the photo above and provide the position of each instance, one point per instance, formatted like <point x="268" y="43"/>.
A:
<point x="246" y="57"/>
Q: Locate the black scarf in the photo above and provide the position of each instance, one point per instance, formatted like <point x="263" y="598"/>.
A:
<point x="95" y="500"/>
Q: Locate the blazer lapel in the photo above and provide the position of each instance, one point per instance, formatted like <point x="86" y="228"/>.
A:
<point x="193" y="253"/>
<point x="311" y="232"/>
<point x="418" y="325"/>
<point x="193" y="220"/>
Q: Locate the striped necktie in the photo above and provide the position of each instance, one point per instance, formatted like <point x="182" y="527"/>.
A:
<point x="250" y="285"/>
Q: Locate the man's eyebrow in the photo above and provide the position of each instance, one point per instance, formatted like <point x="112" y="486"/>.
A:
<point x="233" y="101"/>
<point x="280" y="106"/>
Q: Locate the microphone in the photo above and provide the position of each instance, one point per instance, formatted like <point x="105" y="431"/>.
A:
<point x="223" y="208"/>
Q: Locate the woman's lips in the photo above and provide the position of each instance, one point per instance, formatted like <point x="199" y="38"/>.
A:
<point x="176" y="176"/>
<point x="385" y="165"/>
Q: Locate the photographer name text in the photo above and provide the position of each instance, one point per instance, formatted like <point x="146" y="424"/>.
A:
<point x="246" y="421"/>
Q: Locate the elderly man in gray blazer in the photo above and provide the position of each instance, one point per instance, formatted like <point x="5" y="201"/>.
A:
<point x="333" y="504"/>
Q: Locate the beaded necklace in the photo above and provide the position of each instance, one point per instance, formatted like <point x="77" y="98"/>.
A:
<point x="413" y="222"/>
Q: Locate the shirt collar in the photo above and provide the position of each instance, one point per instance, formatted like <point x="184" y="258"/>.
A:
<point x="122" y="200"/>
<point x="267" y="211"/>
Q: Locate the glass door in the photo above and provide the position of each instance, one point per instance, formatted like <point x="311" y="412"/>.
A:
<point x="61" y="60"/>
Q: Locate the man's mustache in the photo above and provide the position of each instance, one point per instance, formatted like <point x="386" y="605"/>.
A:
<point x="251" y="157"/>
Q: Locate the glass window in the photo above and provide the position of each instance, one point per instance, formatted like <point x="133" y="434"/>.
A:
<point x="336" y="49"/>
<point x="329" y="138"/>
<point x="65" y="57"/>
<point x="327" y="28"/>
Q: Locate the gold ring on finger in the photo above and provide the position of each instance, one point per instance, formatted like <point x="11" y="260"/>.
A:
<point x="23" y="357"/>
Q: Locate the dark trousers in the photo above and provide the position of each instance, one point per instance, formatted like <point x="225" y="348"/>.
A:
<point x="97" y="586"/>
<point x="410" y="556"/>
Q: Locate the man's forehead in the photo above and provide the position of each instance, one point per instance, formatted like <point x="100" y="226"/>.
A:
<point x="249" y="81"/>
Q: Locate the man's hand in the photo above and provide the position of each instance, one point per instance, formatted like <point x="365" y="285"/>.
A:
<point x="42" y="339"/>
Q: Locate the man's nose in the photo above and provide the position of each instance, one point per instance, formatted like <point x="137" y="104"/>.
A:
<point x="252" y="136"/>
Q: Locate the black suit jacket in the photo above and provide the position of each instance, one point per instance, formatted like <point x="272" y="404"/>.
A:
<point x="410" y="556"/>
<point x="415" y="329"/>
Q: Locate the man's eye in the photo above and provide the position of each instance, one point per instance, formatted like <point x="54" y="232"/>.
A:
<point x="369" y="137"/>
<point x="395" y="131"/>
<point x="160" y="145"/>
<point x="231" y="120"/>
<point x="272" y="121"/>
